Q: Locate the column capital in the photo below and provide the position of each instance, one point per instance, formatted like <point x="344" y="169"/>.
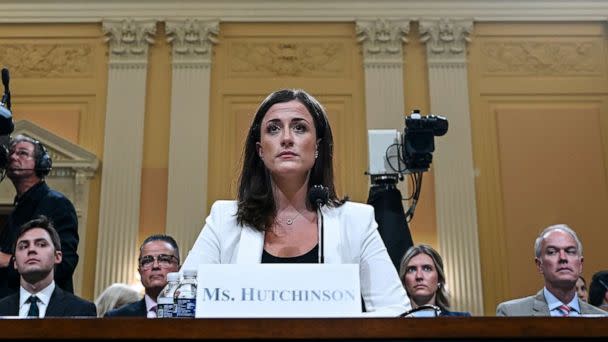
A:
<point x="446" y="38"/>
<point x="383" y="39"/>
<point x="128" y="40"/>
<point x="192" y="40"/>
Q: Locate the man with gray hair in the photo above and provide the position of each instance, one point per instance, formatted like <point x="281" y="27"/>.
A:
<point x="559" y="258"/>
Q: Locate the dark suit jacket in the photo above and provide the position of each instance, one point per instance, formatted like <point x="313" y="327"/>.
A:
<point x="137" y="309"/>
<point x="41" y="200"/>
<point x="62" y="304"/>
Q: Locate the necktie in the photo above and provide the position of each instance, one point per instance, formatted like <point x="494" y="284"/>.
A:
<point x="152" y="312"/>
<point x="33" y="312"/>
<point x="565" y="309"/>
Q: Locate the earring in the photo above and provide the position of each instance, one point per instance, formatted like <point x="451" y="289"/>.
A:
<point x="316" y="154"/>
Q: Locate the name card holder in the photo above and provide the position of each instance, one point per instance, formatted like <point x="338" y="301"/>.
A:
<point x="278" y="290"/>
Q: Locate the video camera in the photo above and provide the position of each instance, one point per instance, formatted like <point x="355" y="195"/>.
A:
<point x="392" y="154"/>
<point x="419" y="139"/>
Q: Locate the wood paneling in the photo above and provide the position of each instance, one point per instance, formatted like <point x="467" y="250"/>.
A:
<point x="539" y="95"/>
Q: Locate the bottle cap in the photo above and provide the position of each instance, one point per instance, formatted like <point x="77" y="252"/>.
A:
<point x="190" y="273"/>
<point x="173" y="276"/>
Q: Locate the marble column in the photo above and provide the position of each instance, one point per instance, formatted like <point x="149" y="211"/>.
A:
<point x="123" y="151"/>
<point x="192" y="43"/>
<point x="382" y="42"/>
<point x="453" y="160"/>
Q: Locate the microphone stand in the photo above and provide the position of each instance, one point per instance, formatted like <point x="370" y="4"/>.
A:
<point x="321" y="228"/>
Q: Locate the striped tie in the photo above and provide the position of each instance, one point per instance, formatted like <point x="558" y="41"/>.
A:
<point x="565" y="309"/>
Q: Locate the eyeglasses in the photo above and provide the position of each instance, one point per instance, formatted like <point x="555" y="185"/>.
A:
<point x="164" y="261"/>
<point x="22" y="154"/>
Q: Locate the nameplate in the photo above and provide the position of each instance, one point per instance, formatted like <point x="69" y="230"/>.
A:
<point x="278" y="290"/>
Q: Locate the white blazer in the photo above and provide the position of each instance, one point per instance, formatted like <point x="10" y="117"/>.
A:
<point x="351" y="237"/>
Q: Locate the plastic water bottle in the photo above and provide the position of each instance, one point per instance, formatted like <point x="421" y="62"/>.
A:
<point x="185" y="295"/>
<point x="166" y="299"/>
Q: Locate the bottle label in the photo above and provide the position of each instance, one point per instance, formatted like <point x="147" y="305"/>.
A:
<point x="165" y="311"/>
<point x="185" y="307"/>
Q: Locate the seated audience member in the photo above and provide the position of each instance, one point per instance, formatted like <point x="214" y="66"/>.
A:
<point x="559" y="258"/>
<point x="422" y="274"/>
<point x="37" y="250"/>
<point x="598" y="290"/>
<point x="158" y="255"/>
<point x="581" y="289"/>
<point x="115" y="296"/>
<point x="288" y="150"/>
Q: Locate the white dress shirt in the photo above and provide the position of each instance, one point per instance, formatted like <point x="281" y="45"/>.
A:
<point x="44" y="296"/>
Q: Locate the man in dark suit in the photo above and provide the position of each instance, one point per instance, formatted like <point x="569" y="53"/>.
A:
<point x="559" y="258"/>
<point x="37" y="251"/>
<point x="29" y="163"/>
<point x="158" y="255"/>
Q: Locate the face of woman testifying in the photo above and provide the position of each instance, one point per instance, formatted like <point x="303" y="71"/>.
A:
<point x="288" y="140"/>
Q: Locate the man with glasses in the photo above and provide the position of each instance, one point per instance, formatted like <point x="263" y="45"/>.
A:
<point x="158" y="255"/>
<point x="36" y="252"/>
<point x="28" y="165"/>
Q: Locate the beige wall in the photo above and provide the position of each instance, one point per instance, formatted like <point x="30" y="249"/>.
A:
<point x="539" y="97"/>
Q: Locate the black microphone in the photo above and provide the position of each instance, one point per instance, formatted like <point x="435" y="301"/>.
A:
<point x="6" y="117"/>
<point x="318" y="195"/>
<point x="6" y="98"/>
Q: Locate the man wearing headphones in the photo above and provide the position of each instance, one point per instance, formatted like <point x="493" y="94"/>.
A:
<point x="29" y="163"/>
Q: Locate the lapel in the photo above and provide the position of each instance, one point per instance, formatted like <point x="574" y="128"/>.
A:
<point x="140" y="309"/>
<point x="331" y="235"/>
<point x="13" y="304"/>
<point x="540" y="306"/>
<point x="56" y="307"/>
<point x="250" y="246"/>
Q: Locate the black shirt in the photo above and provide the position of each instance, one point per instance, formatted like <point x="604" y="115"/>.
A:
<point x="310" y="257"/>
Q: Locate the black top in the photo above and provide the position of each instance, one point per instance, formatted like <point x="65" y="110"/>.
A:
<point x="41" y="200"/>
<point x="310" y="257"/>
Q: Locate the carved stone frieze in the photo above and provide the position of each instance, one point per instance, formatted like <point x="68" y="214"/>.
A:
<point x="192" y="39"/>
<point x="446" y="38"/>
<point x="382" y="39"/>
<point x="129" y="39"/>
<point x="48" y="60"/>
<point x="287" y="59"/>
<point x="544" y="58"/>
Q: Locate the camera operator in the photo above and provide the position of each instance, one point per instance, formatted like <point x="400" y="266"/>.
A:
<point x="28" y="164"/>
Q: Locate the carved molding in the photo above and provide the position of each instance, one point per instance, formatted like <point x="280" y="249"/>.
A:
<point x="287" y="59"/>
<point x="382" y="39"/>
<point x="446" y="38"/>
<point x="129" y="39"/>
<point x="536" y="58"/>
<point x="192" y="39"/>
<point x="48" y="60"/>
<point x="300" y="11"/>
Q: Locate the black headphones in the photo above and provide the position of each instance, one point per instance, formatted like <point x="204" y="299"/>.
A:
<point x="44" y="163"/>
